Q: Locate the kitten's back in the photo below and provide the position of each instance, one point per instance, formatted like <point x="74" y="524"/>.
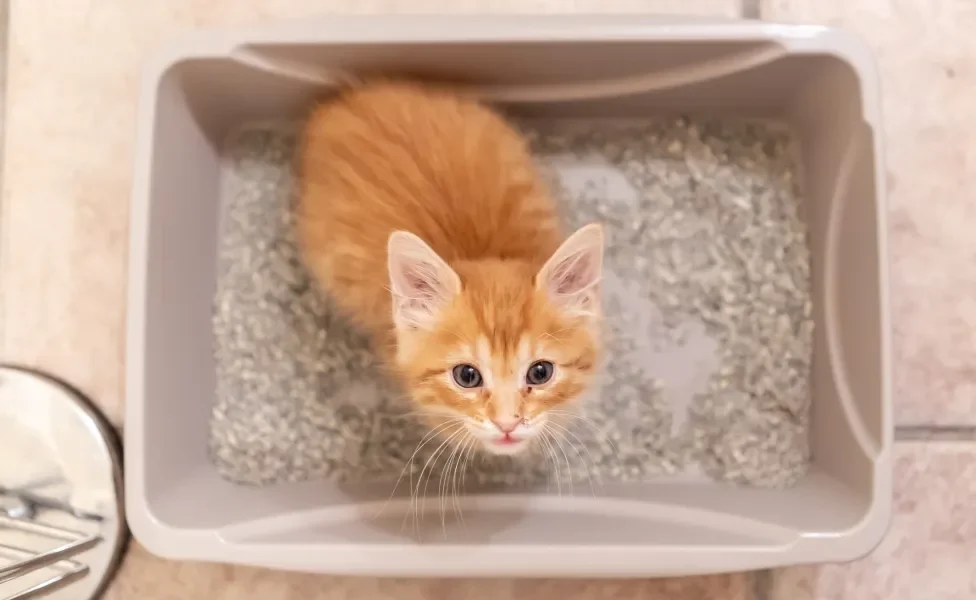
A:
<point x="399" y="156"/>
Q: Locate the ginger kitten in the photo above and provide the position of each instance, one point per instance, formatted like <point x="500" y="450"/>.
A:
<point x="422" y="215"/>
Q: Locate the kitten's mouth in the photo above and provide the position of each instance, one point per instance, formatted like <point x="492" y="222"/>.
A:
<point x="506" y="444"/>
<point x="507" y="440"/>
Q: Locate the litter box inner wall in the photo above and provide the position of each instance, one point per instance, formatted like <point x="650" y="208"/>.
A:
<point x="511" y="62"/>
<point x="223" y="95"/>
<point x="765" y="91"/>
<point x="859" y="327"/>
<point x="827" y="111"/>
<point x="179" y="376"/>
<point x="198" y="102"/>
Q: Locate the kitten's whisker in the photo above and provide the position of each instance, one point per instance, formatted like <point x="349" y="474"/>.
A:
<point x="467" y="457"/>
<point x="442" y="483"/>
<point x="553" y="460"/>
<point x="569" y="469"/>
<point x="552" y="335"/>
<point x="589" y="422"/>
<point x="458" y="512"/>
<point x="440" y="452"/>
<point x="429" y="435"/>
<point x="545" y="453"/>
<point x="548" y="435"/>
<point x="431" y="461"/>
<point x="415" y="490"/>
<point x="583" y="461"/>
<point x="419" y="413"/>
<point x="599" y="480"/>
<point x="443" y="427"/>
<point x="459" y="480"/>
<point x="560" y="442"/>
<point x="455" y="334"/>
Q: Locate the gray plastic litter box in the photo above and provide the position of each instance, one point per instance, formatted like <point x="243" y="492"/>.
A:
<point x="198" y="90"/>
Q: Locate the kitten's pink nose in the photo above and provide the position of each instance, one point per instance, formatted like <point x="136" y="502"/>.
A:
<point x="507" y="426"/>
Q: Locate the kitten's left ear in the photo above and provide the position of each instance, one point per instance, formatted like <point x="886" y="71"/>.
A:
<point x="421" y="282"/>
<point x="571" y="275"/>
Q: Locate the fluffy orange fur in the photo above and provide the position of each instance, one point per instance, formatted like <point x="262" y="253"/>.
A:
<point x="422" y="215"/>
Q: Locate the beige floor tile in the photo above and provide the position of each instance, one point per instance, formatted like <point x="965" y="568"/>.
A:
<point x="927" y="53"/>
<point x="928" y="552"/>
<point x="145" y="577"/>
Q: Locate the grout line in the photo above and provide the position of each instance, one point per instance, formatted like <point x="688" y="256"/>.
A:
<point x="4" y="57"/>
<point x="750" y="9"/>
<point x="935" y="433"/>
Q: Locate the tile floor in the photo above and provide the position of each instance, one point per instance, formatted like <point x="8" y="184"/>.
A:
<point x="72" y="71"/>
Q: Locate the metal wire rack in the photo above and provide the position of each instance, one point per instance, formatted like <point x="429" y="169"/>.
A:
<point x="69" y="544"/>
<point x="62" y="530"/>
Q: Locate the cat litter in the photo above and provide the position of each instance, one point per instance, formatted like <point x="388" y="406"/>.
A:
<point x="708" y="327"/>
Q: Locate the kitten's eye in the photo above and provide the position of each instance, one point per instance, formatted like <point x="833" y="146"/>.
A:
<point x="539" y="373"/>
<point x="467" y="376"/>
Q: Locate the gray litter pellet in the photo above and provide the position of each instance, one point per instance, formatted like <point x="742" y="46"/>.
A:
<point x="708" y="329"/>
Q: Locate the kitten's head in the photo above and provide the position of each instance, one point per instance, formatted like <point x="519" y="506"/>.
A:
<point x="488" y="348"/>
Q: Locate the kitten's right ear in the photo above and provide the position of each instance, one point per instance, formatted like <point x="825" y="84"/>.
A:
<point x="421" y="282"/>
<point x="572" y="275"/>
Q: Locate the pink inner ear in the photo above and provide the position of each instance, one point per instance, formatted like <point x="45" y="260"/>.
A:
<point x="418" y="294"/>
<point x="573" y="275"/>
<point x="415" y="277"/>
<point x="418" y="285"/>
<point x="421" y="283"/>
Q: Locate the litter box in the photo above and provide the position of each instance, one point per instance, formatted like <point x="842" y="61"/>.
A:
<point x="819" y="80"/>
